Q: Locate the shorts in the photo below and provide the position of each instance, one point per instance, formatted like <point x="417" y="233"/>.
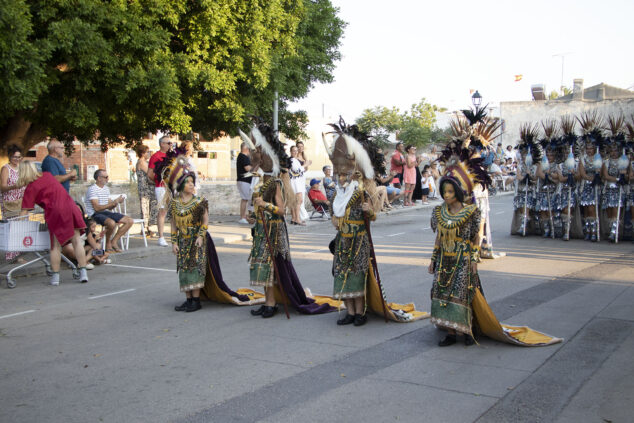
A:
<point x="244" y="188"/>
<point x="100" y="217"/>
<point x="159" y="192"/>
<point x="425" y="191"/>
<point x="392" y="190"/>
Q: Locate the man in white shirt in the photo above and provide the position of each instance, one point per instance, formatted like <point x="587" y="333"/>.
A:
<point x="99" y="206"/>
<point x="509" y="153"/>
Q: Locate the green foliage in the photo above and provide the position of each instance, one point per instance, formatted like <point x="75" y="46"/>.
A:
<point x="116" y="70"/>
<point x="415" y="126"/>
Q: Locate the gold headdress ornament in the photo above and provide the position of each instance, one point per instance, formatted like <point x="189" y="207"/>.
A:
<point x="176" y="172"/>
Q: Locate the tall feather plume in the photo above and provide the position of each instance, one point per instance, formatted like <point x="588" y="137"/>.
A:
<point x="376" y="160"/>
<point x="485" y="130"/>
<point x="569" y="137"/>
<point x="528" y="140"/>
<point x="591" y="124"/>
<point x="629" y="144"/>
<point x="615" y="124"/>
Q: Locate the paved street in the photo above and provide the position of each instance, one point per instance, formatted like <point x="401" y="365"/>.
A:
<point x="114" y="350"/>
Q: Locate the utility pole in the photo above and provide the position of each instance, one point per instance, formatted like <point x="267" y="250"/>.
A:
<point x="563" y="57"/>
<point x="275" y="112"/>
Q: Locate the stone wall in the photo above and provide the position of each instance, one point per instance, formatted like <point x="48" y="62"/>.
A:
<point x="517" y="112"/>
<point x="223" y="198"/>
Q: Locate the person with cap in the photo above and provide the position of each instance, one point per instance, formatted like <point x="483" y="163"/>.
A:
<point x="316" y="196"/>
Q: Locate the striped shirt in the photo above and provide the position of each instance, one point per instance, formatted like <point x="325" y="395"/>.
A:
<point x="102" y="195"/>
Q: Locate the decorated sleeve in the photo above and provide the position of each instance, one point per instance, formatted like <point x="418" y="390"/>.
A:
<point x="475" y="232"/>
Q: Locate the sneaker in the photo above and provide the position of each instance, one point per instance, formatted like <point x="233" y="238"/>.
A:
<point x="162" y="242"/>
<point x="90" y="266"/>
<point x="83" y="275"/>
<point x="54" y="281"/>
<point x="243" y="222"/>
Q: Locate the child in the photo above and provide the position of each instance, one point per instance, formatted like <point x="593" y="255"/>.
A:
<point x="189" y="231"/>
<point x="91" y="243"/>
<point x="424" y="183"/>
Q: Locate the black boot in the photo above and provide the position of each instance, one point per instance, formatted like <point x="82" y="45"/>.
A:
<point x="184" y="306"/>
<point x="448" y="340"/>
<point x="195" y="305"/>
<point x="269" y="312"/>
<point x="346" y="320"/>
<point x="360" y="319"/>
<point x="257" y="312"/>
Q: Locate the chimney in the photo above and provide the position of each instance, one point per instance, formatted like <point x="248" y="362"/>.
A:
<point x="577" y="89"/>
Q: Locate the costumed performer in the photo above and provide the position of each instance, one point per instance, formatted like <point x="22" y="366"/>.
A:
<point x="590" y="173"/>
<point x="270" y="263"/>
<point x="355" y="160"/>
<point x="548" y="177"/>
<point x="524" y="201"/>
<point x="614" y="175"/>
<point x="456" y="295"/>
<point x="570" y="147"/>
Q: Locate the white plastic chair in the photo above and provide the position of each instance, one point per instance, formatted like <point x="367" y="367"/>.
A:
<point x="123" y="209"/>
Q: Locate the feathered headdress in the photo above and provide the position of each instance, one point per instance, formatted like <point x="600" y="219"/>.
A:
<point x="268" y="138"/>
<point x="175" y="173"/>
<point x="170" y="156"/>
<point x="591" y="125"/>
<point x="569" y="138"/>
<point x="617" y="135"/>
<point x="462" y="166"/>
<point x="528" y="141"/>
<point x="360" y="144"/>
<point x="629" y="144"/>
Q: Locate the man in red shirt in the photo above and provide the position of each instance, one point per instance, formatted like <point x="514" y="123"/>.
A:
<point x="397" y="162"/>
<point x="316" y="196"/>
<point x="165" y="144"/>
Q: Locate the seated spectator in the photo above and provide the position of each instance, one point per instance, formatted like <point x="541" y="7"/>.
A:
<point x="508" y="168"/>
<point x="92" y="246"/>
<point x="497" y="174"/>
<point x="387" y="193"/>
<point x="329" y="184"/>
<point x="99" y="207"/>
<point x="316" y="196"/>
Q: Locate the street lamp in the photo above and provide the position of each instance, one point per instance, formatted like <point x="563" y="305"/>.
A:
<point x="476" y="99"/>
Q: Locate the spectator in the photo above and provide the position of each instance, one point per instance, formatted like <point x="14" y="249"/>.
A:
<point x="298" y="182"/>
<point x="397" y="162"/>
<point x="301" y="155"/>
<point x="165" y="144"/>
<point x="54" y="166"/>
<point x="316" y="196"/>
<point x="243" y="169"/>
<point x="99" y="207"/>
<point x="487" y="155"/>
<point x="434" y="174"/>
<point x="329" y="184"/>
<point x="424" y="182"/>
<point x="147" y="198"/>
<point x="409" y="174"/>
<point x="499" y="151"/>
<point x="187" y="147"/>
<point x="509" y="153"/>
<point x="11" y="194"/>
<point x="499" y="175"/>
<point x="92" y="246"/>
<point x="61" y="214"/>
<point x="494" y="169"/>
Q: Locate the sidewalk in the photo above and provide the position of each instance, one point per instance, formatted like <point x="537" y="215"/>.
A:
<point x="224" y="229"/>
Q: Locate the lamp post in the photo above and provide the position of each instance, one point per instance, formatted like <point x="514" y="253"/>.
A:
<point x="476" y="99"/>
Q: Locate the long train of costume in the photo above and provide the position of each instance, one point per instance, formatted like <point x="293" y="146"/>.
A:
<point x="354" y="267"/>
<point x="457" y="296"/>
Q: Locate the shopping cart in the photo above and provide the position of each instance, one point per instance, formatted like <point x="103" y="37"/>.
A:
<point x="29" y="234"/>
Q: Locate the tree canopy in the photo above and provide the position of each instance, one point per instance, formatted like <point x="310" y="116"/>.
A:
<point x="416" y="126"/>
<point x="116" y="70"/>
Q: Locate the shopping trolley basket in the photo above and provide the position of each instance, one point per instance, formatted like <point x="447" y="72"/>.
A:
<point x="28" y="234"/>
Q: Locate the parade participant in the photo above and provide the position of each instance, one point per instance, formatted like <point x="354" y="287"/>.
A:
<point x="524" y="201"/>
<point x="189" y="217"/>
<point x="480" y="131"/>
<point x="458" y="304"/>
<point x="630" y="201"/>
<point x="355" y="160"/>
<point x="570" y="148"/>
<point x="270" y="257"/>
<point x="548" y="177"/>
<point x="614" y="177"/>
<point x="589" y="172"/>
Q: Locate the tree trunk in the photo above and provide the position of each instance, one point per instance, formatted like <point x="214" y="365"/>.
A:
<point x="21" y="132"/>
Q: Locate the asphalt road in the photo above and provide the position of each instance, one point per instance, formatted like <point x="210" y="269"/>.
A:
<point x="114" y="350"/>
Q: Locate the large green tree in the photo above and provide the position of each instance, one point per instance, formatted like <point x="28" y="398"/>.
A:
<point x="416" y="126"/>
<point x="115" y="70"/>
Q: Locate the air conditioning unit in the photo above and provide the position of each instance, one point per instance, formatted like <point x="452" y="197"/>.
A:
<point x="538" y="91"/>
<point x="90" y="172"/>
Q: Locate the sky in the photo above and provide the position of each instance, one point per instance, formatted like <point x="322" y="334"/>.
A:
<point x="397" y="52"/>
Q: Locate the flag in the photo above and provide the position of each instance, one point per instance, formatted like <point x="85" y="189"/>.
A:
<point x="518" y="78"/>
<point x="471" y="91"/>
